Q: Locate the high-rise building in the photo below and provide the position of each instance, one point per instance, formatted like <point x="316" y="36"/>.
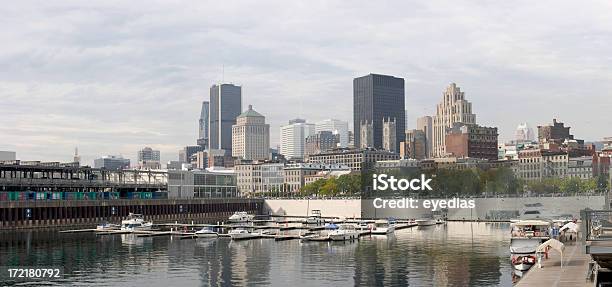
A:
<point x="251" y="136"/>
<point x="293" y="137"/>
<point x="453" y="108"/>
<point x="389" y="135"/>
<point x="225" y="106"/>
<point x="425" y="124"/>
<point x="524" y="133"/>
<point x="336" y="127"/>
<point x="320" y="141"/>
<point x="378" y="97"/>
<point x="366" y="133"/>
<point x="203" y="125"/>
<point x="149" y="158"/>
<point x="112" y="162"/>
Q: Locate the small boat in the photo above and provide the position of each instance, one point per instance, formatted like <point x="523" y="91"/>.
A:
<point x="523" y="263"/>
<point x="314" y="218"/>
<point x="344" y="232"/>
<point x="425" y="222"/>
<point x="383" y="227"/>
<point x="527" y="235"/>
<point x="105" y="226"/>
<point x="206" y="233"/>
<point x="239" y="233"/>
<point x="135" y="222"/>
<point x="240" y="216"/>
<point x="363" y="226"/>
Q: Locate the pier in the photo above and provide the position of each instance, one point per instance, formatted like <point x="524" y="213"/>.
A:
<point x="573" y="273"/>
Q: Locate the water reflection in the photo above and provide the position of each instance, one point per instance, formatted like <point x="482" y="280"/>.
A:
<point x="456" y="254"/>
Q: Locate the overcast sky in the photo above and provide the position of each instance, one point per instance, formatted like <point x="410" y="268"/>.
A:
<point x="114" y="77"/>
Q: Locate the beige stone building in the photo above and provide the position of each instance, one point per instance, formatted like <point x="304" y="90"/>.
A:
<point x="251" y="136"/>
<point x="453" y="108"/>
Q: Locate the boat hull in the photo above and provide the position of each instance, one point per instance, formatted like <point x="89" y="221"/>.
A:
<point x="343" y="237"/>
<point x="425" y="222"/>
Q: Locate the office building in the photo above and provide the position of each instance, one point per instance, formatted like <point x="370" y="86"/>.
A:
<point x="149" y="158"/>
<point x="187" y="154"/>
<point x="556" y="133"/>
<point x="203" y="125"/>
<point x="426" y="125"/>
<point x="378" y="97"/>
<point x="112" y="162"/>
<point x="453" y="108"/>
<point x="415" y="146"/>
<point x="260" y="177"/>
<point x="251" y="136"/>
<point x="225" y="106"/>
<point x="202" y="184"/>
<point x="293" y="137"/>
<point x="355" y="159"/>
<point x="337" y="127"/>
<point x="320" y="141"/>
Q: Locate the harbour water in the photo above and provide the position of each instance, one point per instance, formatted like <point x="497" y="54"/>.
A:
<point x="455" y="254"/>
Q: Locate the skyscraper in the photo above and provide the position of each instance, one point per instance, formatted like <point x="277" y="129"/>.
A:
<point x="425" y="124"/>
<point x="336" y="127"/>
<point x="378" y="97"/>
<point x="225" y="106"/>
<point x="453" y="108"/>
<point x="203" y="125"/>
<point x="251" y="136"/>
<point x="293" y="136"/>
<point x="149" y="158"/>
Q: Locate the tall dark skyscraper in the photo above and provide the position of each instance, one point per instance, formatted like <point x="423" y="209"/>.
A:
<point x="225" y="106"/>
<point x="378" y="97"/>
<point x="203" y="125"/>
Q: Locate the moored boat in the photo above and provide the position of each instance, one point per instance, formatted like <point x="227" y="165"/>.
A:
<point x="206" y="233"/>
<point x="135" y="222"/>
<point x="425" y="222"/>
<point x="344" y="232"/>
<point x="383" y="227"/>
<point x="239" y="233"/>
<point x="527" y="235"/>
<point x="240" y="216"/>
<point x="523" y="263"/>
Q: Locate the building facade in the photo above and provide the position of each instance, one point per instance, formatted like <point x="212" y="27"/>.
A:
<point x="320" y="141"/>
<point x="453" y="108"/>
<point x="201" y="184"/>
<point x="415" y="146"/>
<point x="377" y="97"/>
<point x="426" y="125"/>
<point x="259" y="177"/>
<point x="149" y="158"/>
<point x="355" y="159"/>
<point x="580" y="167"/>
<point x="366" y="131"/>
<point x="296" y="174"/>
<point x="203" y="125"/>
<point x="293" y="137"/>
<point x="337" y="127"/>
<point x="390" y="135"/>
<point x="472" y="141"/>
<point x="555" y="133"/>
<point x="251" y="136"/>
<point x="112" y="162"/>
<point x="225" y="106"/>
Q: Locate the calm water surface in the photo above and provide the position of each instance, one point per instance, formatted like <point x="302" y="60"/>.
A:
<point x="456" y="254"/>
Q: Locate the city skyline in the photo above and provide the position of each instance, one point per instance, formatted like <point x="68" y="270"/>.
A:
<point x="103" y="82"/>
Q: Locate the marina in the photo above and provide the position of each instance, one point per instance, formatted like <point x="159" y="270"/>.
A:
<point x="429" y="253"/>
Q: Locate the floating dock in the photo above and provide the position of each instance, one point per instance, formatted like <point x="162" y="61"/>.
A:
<point x="573" y="273"/>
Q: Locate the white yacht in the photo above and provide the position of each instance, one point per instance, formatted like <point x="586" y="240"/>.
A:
<point x="206" y="233"/>
<point x="314" y="218"/>
<point x="240" y="216"/>
<point x="383" y="227"/>
<point x="135" y="222"/>
<point x="527" y="235"/>
<point x="240" y="233"/>
<point x="425" y="222"/>
<point x="344" y="232"/>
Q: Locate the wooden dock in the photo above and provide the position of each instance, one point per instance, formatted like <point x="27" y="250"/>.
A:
<point x="573" y="273"/>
